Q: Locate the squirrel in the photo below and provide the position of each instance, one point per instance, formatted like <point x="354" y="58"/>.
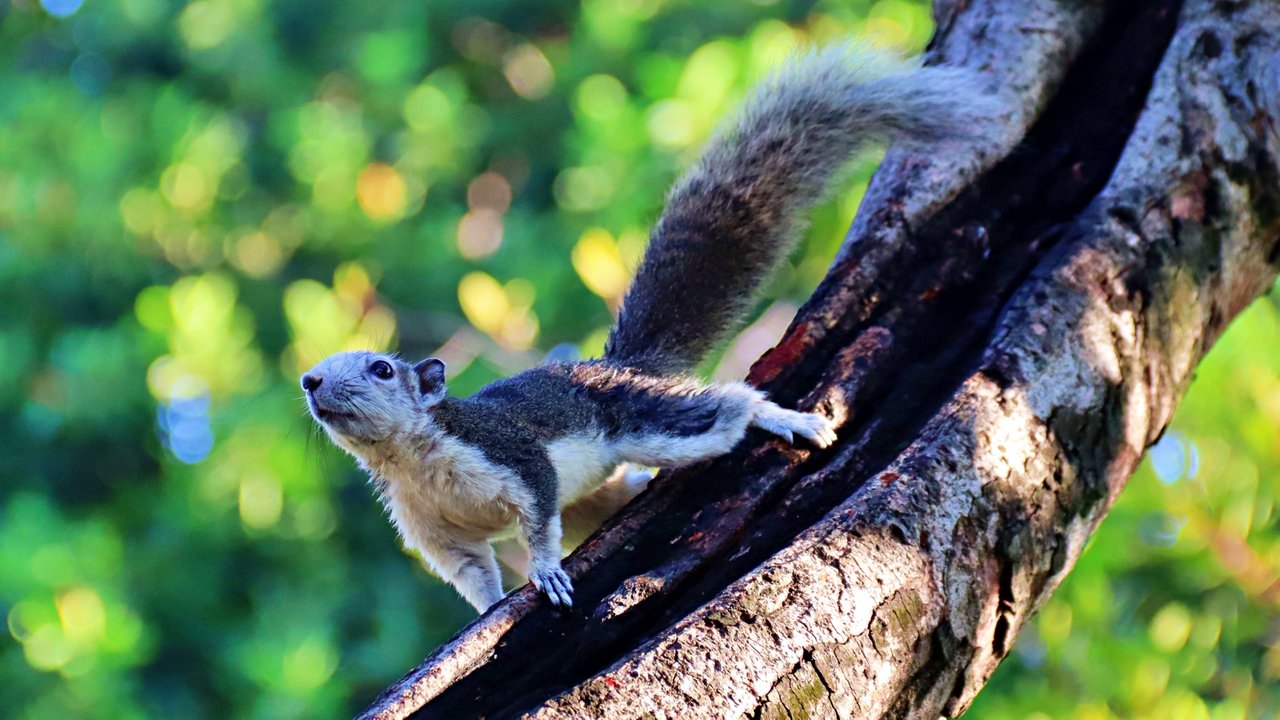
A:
<point x="454" y="473"/>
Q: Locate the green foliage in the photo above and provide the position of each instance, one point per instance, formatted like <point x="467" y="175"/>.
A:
<point x="198" y="201"/>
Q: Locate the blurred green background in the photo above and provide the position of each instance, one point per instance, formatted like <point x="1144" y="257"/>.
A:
<point x="197" y="201"/>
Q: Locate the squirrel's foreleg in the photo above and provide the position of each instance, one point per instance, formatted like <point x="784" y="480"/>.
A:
<point x="540" y="531"/>
<point x="469" y="566"/>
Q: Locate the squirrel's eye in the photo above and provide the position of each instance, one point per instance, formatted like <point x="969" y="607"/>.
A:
<point x="382" y="369"/>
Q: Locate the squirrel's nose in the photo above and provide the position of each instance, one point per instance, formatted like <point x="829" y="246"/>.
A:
<point x="310" y="382"/>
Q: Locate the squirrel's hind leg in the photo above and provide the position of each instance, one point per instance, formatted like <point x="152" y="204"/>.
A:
<point x="741" y="402"/>
<point x="582" y="516"/>
<point x="732" y="408"/>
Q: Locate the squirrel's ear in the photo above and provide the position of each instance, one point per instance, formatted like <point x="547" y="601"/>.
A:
<point x="430" y="374"/>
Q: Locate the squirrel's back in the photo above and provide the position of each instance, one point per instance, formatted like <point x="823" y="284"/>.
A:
<point x="737" y="211"/>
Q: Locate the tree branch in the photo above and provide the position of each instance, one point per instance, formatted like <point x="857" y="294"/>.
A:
<point x="1001" y="337"/>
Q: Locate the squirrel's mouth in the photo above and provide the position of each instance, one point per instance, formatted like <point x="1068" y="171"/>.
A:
<point x="326" y="415"/>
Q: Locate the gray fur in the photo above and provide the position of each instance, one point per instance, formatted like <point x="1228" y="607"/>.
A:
<point x="507" y="438"/>
<point x="736" y="213"/>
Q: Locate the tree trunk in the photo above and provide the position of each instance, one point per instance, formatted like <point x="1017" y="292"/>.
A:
<point x="1002" y="335"/>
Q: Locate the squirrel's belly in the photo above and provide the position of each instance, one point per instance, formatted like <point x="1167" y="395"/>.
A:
<point x="582" y="461"/>
<point x="454" y="491"/>
<point x="479" y="523"/>
<point x="446" y="501"/>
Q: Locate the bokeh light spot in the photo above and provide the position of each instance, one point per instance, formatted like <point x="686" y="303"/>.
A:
<point x="185" y="428"/>
<point x="90" y="73"/>
<point x="599" y="264"/>
<point x="324" y="320"/>
<point x="309" y="665"/>
<point x="529" y="72"/>
<point x="672" y="124"/>
<point x="519" y="330"/>
<point x="1174" y="457"/>
<point x="489" y="191"/>
<point x="427" y="108"/>
<point x="142" y="12"/>
<point x="381" y="192"/>
<point x="142" y="211"/>
<point x="709" y="74"/>
<point x="1171" y="627"/>
<point x="332" y="189"/>
<point x="480" y="39"/>
<point x="390" y="57"/>
<point x="261" y="500"/>
<point x="206" y="24"/>
<point x="479" y="234"/>
<point x="84" y="620"/>
<point x="47" y="648"/>
<point x="501" y="312"/>
<point x="258" y="254"/>
<point x="898" y="23"/>
<point x="27" y="616"/>
<point x="583" y="188"/>
<point x="61" y="8"/>
<point x="185" y="187"/>
<point x="483" y="301"/>
<point x="601" y="98"/>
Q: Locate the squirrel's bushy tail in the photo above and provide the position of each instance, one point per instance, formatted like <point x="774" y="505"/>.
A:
<point x="735" y="214"/>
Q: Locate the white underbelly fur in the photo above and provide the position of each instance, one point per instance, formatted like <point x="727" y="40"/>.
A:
<point x="455" y="491"/>
<point x="582" y="462"/>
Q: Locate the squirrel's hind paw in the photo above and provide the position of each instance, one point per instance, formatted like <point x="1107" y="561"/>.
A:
<point x="787" y="423"/>
<point x="818" y="430"/>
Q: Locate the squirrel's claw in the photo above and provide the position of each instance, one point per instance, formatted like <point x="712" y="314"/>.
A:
<point x="553" y="581"/>
<point x="819" y="430"/>
<point x="786" y="424"/>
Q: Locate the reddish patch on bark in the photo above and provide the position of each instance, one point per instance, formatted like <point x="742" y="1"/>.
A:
<point x="610" y="682"/>
<point x="888" y="477"/>
<point x="1188" y="200"/>
<point x="789" y="351"/>
<point x="845" y="267"/>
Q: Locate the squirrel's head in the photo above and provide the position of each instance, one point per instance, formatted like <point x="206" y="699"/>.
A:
<point x="366" y="397"/>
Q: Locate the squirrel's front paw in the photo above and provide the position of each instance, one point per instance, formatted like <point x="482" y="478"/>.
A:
<point x="554" y="581"/>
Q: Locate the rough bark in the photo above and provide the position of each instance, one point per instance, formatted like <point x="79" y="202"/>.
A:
<point x="1003" y="334"/>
